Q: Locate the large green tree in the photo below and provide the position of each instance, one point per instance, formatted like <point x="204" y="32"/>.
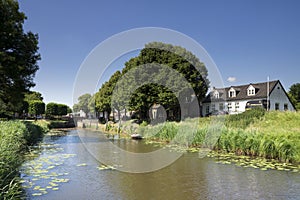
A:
<point x="33" y="96"/>
<point x="28" y="97"/>
<point x="83" y="103"/>
<point x="36" y="108"/>
<point x="150" y="78"/>
<point x="18" y="57"/>
<point x="56" y="109"/>
<point x="103" y="96"/>
<point x="155" y="66"/>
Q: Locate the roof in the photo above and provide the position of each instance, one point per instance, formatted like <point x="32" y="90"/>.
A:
<point x="241" y="92"/>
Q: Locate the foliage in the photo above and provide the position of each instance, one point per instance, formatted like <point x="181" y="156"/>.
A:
<point x="295" y="91"/>
<point x="56" y="109"/>
<point x="36" y="107"/>
<point x="103" y="96"/>
<point x="154" y="71"/>
<point x="294" y="95"/>
<point x="15" y="136"/>
<point x="51" y="109"/>
<point x="33" y="96"/>
<point x="62" y="109"/>
<point x="273" y="135"/>
<point x="244" y="119"/>
<point x="18" y="57"/>
<point x="83" y="103"/>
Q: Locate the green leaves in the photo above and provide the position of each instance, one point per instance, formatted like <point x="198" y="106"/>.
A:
<point x="18" y="57"/>
<point x="294" y="95"/>
<point x="56" y="109"/>
<point x="161" y="73"/>
<point x="83" y="103"/>
<point x="36" y="107"/>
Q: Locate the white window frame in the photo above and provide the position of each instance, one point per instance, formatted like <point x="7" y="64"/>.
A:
<point x="237" y="106"/>
<point x="216" y="95"/>
<point x="229" y="106"/>
<point x="232" y="93"/>
<point x="251" y="91"/>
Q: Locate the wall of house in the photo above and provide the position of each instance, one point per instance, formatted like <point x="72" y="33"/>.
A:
<point x="278" y="95"/>
<point x="236" y="106"/>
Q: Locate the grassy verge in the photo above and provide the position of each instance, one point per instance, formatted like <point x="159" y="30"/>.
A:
<point x="15" y="137"/>
<point x="271" y="135"/>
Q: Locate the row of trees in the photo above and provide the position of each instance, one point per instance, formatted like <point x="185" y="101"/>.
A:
<point x="33" y="104"/>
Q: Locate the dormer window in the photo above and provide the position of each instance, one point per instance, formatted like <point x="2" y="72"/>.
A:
<point x="251" y="91"/>
<point x="232" y="92"/>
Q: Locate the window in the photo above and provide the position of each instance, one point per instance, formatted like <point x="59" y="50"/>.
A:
<point x="231" y="92"/>
<point x="276" y="106"/>
<point x="251" y="91"/>
<point x="216" y="95"/>
<point x="229" y="106"/>
<point x="207" y="109"/>
<point x="221" y="106"/>
<point x="286" y="107"/>
<point x="237" y="105"/>
<point x="213" y="107"/>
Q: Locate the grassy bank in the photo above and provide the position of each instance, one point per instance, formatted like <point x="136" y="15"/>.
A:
<point x="15" y="138"/>
<point x="273" y="135"/>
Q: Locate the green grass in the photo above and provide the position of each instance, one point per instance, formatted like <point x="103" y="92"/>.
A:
<point x="15" y="136"/>
<point x="272" y="135"/>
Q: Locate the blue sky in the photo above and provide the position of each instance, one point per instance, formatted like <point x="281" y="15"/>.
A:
<point x="248" y="40"/>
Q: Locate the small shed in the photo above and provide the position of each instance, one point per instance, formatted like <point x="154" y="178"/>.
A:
<point x="157" y="113"/>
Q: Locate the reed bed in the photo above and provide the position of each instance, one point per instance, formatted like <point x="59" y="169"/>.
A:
<point x="271" y="135"/>
<point x="15" y="137"/>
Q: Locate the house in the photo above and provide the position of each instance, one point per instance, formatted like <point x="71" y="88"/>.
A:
<point x="236" y="99"/>
<point x="157" y="113"/>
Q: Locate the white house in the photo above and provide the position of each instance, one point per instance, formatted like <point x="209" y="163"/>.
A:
<point x="236" y="99"/>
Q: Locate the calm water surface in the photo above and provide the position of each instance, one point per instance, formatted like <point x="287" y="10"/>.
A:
<point x="189" y="177"/>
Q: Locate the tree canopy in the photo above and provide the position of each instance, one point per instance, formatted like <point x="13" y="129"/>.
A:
<point x="294" y="94"/>
<point x="18" y="57"/>
<point x="36" y="107"/>
<point x="56" y="109"/>
<point x="161" y="73"/>
<point x="83" y="103"/>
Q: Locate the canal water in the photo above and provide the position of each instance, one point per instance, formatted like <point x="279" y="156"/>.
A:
<point x="65" y="168"/>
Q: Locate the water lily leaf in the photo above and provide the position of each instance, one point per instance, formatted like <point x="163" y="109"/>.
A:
<point x="81" y="165"/>
<point x="37" y="194"/>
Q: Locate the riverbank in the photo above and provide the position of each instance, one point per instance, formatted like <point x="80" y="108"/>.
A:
<point x="270" y="135"/>
<point x="255" y="133"/>
<point x="15" y="139"/>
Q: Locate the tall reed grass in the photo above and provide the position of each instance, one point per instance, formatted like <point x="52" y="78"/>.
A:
<point x="274" y="135"/>
<point x="15" y="136"/>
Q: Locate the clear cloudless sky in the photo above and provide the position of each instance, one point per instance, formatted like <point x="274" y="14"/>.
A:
<point x="247" y="39"/>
